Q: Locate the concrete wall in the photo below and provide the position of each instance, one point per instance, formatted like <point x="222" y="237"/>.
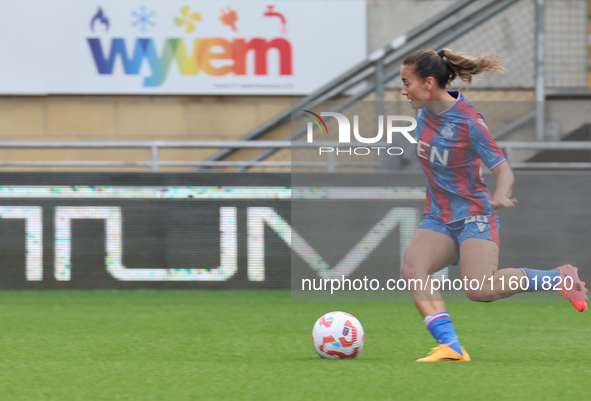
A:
<point x="128" y="118"/>
<point x="388" y="19"/>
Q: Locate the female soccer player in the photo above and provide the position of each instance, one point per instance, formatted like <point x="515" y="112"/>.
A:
<point x="460" y="220"/>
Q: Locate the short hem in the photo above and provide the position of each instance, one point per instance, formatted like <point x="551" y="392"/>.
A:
<point x="486" y="239"/>
<point x="467" y="230"/>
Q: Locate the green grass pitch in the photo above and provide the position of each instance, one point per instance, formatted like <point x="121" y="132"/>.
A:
<point x="233" y="345"/>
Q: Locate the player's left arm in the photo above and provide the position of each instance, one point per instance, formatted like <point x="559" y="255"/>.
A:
<point x="492" y="156"/>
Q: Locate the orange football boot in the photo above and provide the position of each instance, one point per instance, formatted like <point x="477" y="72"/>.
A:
<point x="577" y="293"/>
<point x="444" y="353"/>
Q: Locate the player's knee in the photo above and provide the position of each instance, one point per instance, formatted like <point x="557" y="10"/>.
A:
<point x="412" y="269"/>
<point x="407" y="272"/>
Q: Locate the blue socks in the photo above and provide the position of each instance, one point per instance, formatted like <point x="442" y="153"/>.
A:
<point x="440" y="327"/>
<point x="540" y="280"/>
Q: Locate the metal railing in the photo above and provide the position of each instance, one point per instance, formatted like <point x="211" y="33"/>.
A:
<point x="382" y="66"/>
<point x="331" y="162"/>
<point x="509" y="147"/>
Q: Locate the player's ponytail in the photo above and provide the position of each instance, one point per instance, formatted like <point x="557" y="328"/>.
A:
<point x="447" y="65"/>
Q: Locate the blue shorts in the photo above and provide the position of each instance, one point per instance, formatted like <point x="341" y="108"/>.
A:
<point x="485" y="227"/>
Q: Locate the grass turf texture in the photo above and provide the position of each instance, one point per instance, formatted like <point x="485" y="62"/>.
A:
<point x="228" y="345"/>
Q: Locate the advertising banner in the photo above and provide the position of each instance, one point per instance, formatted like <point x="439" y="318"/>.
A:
<point x="178" y="46"/>
<point x="83" y="231"/>
<point x="255" y="231"/>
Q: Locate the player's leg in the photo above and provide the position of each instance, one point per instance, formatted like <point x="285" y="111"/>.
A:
<point x="429" y="252"/>
<point x="479" y="258"/>
<point x="479" y="262"/>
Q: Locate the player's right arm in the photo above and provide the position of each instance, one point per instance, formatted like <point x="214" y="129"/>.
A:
<point x="505" y="179"/>
<point x="483" y="143"/>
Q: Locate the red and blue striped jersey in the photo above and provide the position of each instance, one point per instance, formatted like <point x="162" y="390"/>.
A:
<point x="450" y="147"/>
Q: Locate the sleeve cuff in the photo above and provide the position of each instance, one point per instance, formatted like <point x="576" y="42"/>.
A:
<point x="497" y="162"/>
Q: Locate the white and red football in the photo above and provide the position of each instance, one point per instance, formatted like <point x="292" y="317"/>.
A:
<point x="338" y="335"/>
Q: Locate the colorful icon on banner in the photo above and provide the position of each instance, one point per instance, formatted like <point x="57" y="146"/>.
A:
<point x="101" y="18"/>
<point x="188" y="19"/>
<point x="271" y="13"/>
<point x="229" y="18"/>
<point x="142" y="19"/>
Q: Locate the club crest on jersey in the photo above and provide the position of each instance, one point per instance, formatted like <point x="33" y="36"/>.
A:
<point x="448" y="130"/>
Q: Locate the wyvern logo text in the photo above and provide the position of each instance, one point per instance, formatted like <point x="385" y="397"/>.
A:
<point x="345" y="133"/>
<point x="205" y="50"/>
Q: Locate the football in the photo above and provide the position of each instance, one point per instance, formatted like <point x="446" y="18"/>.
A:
<point x="338" y="335"/>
